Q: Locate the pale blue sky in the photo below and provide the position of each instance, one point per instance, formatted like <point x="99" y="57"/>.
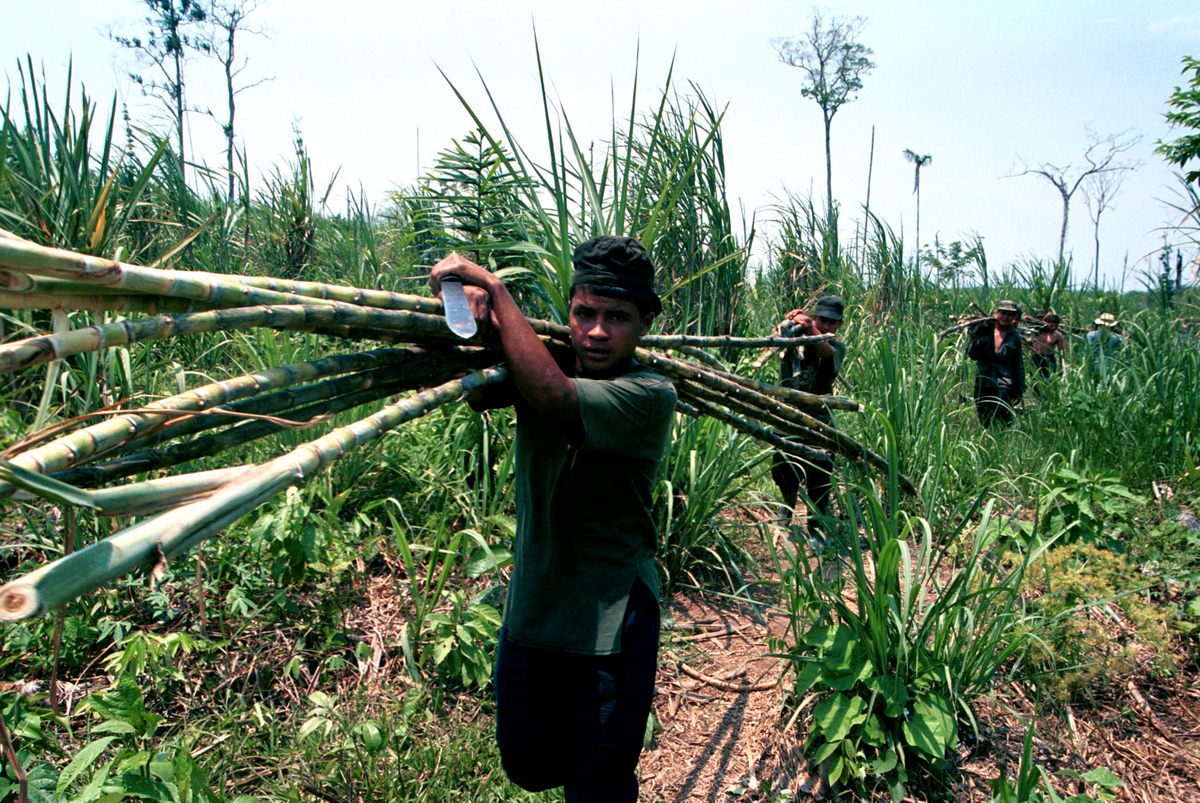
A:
<point x="985" y="87"/>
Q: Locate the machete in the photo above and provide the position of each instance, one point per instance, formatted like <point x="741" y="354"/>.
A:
<point x="458" y="311"/>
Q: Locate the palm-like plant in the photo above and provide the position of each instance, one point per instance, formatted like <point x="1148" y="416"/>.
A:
<point x="919" y="161"/>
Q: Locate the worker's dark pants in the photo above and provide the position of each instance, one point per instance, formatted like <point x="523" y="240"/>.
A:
<point x="1046" y="364"/>
<point x="993" y="407"/>
<point x="578" y="721"/>
<point x="788" y="472"/>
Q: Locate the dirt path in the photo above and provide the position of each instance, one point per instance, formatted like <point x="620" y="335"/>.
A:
<point x="720" y="697"/>
<point x="718" y="702"/>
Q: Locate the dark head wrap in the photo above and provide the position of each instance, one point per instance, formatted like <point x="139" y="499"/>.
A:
<point x="618" y="267"/>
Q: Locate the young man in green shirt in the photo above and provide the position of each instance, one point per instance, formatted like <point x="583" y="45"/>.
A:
<point x="574" y="677"/>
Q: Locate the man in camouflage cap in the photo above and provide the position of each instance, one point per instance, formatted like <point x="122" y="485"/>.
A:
<point x="1000" y="368"/>
<point x="813" y="369"/>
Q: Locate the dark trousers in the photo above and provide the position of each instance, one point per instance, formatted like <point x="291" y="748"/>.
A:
<point x="578" y="721"/>
<point x="1046" y="364"/>
<point x="788" y="472"/>
<point x="993" y="403"/>
<point x="993" y="410"/>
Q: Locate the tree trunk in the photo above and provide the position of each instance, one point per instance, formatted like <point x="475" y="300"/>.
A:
<point x="1062" y="235"/>
<point x="918" y="261"/>
<point x="828" y="171"/>
<point x="229" y="93"/>
<point x="867" y="206"/>
<point x="178" y="93"/>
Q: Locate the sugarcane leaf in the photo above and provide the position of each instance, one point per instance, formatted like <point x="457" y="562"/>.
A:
<point x="45" y="487"/>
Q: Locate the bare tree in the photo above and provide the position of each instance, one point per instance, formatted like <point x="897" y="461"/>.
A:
<point x="172" y="33"/>
<point x="1100" y="157"/>
<point x="834" y="64"/>
<point x="1098" y="194"/>
<point x="919" y="162"/>
<point x="228" y="19"/>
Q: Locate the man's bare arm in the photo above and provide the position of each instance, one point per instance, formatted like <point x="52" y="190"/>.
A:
<point x="537" y="376"/>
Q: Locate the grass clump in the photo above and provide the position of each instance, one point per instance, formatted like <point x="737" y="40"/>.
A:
<point x="1097" y="625"/>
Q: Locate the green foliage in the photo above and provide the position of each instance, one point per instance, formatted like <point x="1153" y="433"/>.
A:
<point x="473" y="204"/>
<point x="705" y="473"/>
<point x="463" y="640"/>
<point x="1185" y="114"/>
<point x="1090" y="508"/>
<point x="936" y="615"/>
<point x="58" y="185"/>
<point x="1096" y="623"/>
<point x="895" y="671"/>
<point x="122" y="759"/>
<point x="287" y="216"/>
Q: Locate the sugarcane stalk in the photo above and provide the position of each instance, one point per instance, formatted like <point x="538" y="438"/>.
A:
<point x="729" y="341"/>
<point x="216" y="289"/>
<point x="163" y="537"/>
<point x="732" y="383"/>
<point x="962" y="325"/>
<point x="698" y="408"/>
<point x="106" y="436"/>
<point x="43" y="348"/>
<point x="785" y="329"/>
<point x="773" y="420"/>
<point x="151" y="459"/>
<point x="846" y="445"/>
<point x="151" y="495"/>
<point x="150" y="305"/>
<point x="382" y="299"/>
<point x="792" y="396"/>
<point x="426" y="367"/>
<point x="700" y="355"/>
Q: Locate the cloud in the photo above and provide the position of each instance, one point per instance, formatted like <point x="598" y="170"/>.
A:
<point x="1183" y="26"/>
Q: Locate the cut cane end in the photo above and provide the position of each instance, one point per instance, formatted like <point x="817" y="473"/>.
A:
<point x="17" y="601"/>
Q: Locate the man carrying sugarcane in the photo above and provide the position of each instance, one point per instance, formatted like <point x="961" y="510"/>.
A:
<point x="1048" y="345"/>
<point x="813" y="369"/>
<point x="1104" y="341"/>
<point x="1000" y="369"/>
<point x="574" y="674"/>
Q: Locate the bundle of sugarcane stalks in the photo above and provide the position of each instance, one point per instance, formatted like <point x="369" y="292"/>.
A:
<point x="414" y="365"/>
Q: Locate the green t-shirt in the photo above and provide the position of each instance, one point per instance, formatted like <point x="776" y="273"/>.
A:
<point x="585" y="531"/>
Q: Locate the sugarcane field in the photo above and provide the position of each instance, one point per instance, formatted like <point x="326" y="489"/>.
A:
<point x="562" y="468"/>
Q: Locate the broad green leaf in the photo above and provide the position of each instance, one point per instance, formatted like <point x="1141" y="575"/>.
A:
<point x="892" y="691"/>
<point x="312" y="725"/>
<point x="824" y="751"/>
<point x="885" y="762"/>
<point x="931" y="727"/>
<point x="856" y="673"/>
<point x="837" y="769"/>
<point x="83" y="760"/>
<point x="114" y="726"/>
<point x="372" y="737"/>
<point x="491" y="560"/>
<point x="837" y="714"/>
<point x="873" y="733"/>
<point x="1104" y="777"/>
<point x="808" y="676"/>
<point x="441" y="648"/>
